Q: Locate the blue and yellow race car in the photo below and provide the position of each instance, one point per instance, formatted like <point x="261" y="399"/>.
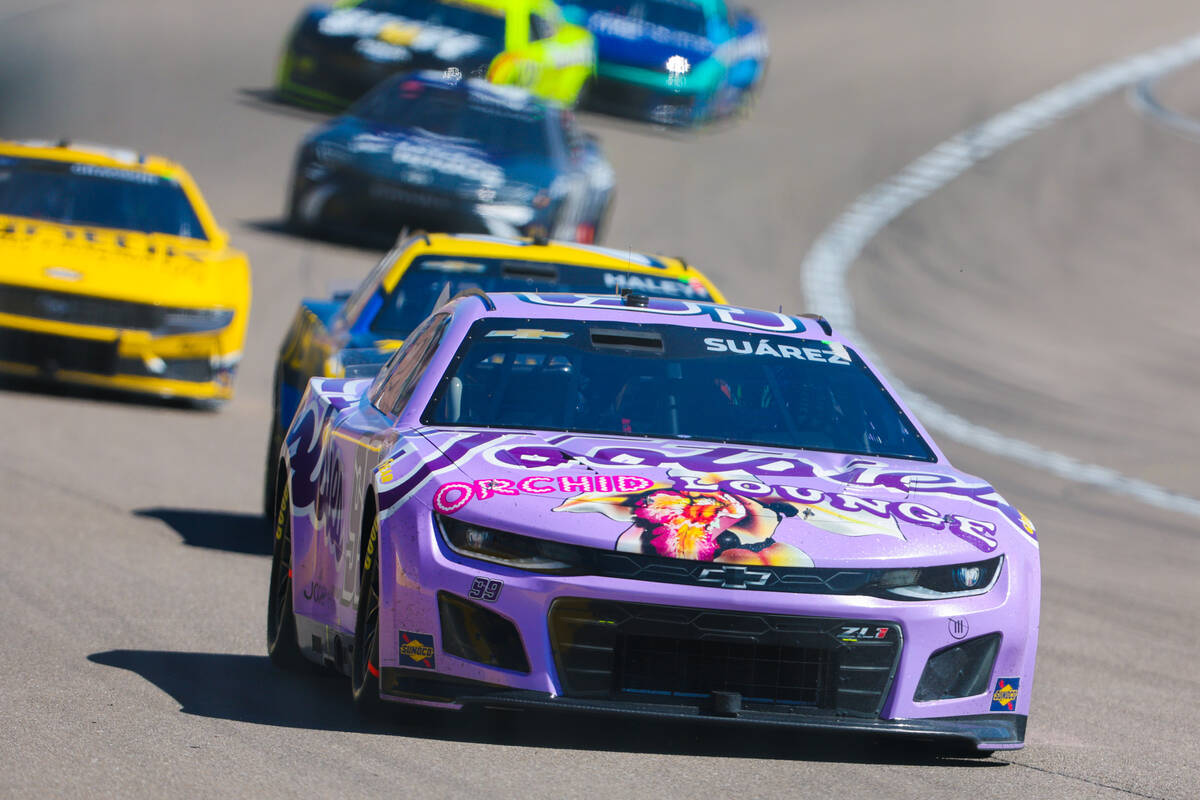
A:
<point x="674" y="62"/>
<point x="351" y="335"/>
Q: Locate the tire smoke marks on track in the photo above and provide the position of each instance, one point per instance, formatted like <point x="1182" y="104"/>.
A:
<point x="829" y="259"/>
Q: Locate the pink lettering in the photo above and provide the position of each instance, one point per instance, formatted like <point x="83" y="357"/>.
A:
<point x="632" y="483"/>
<point x="575" y="483"/>
<point x="452" y="496"/>
<point x="490" y="486"/>
<point x="526" y="485"/>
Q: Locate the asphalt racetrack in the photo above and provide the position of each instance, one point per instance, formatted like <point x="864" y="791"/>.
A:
<point x="1049" y="294"/>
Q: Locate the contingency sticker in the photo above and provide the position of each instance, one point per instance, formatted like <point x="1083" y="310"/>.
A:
<point x="418" y="647"/>
<point x="1004" y="696"/>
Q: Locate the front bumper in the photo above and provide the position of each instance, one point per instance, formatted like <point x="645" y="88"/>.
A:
<point x="823" y="677"/>
<point x="982" y="731"/>
<point x="613" y="95"/>
<point x="197" y="366"/>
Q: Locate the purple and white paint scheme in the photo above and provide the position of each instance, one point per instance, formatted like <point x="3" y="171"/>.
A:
<point x="649" y="507"/>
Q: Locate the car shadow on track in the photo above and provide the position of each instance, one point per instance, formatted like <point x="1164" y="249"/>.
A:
<point x="215" y="530"/>
<point x="364" y="242"/>
<point x="246" y="688"/>
<point x="266" y="98"/>
<point x="46" y="387"/>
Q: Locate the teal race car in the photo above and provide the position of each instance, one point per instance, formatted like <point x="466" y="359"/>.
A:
<point x="673" y="62"/>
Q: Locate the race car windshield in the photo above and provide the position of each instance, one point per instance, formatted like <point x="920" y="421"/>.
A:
<point x="105" y="197"/>
<point x="678" y="15"/>
<point x="673" y="382"/>
<point x="459" y="118"/>
<point x="462" y="16"/>
<point x="414" y="297"/>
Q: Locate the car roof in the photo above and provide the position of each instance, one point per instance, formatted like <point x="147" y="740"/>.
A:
<point x="90" y="153"/>
<point x="643" y="310"/>
<point x="551" y="251"/>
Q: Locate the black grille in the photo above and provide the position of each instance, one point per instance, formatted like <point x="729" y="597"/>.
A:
<point x="666" y="667"/>
<point x="681" y="655"/>
<point x="79" y="309"/>
<point x="196" y="370"/>
<point x="50" y="353"/>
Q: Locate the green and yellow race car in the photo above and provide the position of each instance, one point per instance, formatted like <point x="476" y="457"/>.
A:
<point x="334" y="55"/>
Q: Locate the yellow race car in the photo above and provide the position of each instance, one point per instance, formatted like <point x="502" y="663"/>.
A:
<point x="335" y="54"/>
<point x="113" y="273"/>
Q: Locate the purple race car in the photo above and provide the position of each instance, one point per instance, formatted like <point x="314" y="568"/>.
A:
<point x="650" y="507"/>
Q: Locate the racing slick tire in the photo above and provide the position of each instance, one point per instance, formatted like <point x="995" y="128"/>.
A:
<point x="282" y="646"/>
<point x="364" y="668"/>
<point x="271" y="466"/>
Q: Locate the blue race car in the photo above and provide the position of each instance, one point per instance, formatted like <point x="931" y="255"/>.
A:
<point x="674" y="62"/>
<point x="432" y="150"/>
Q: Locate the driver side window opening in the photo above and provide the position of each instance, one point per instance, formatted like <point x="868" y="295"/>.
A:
<point x="400" y="375"/>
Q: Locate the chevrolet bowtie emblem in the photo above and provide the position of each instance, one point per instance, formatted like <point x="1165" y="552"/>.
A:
<point x="733" y="576"/>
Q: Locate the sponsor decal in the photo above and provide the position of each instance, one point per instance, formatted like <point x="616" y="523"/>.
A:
<point x="702" y="516"/>
<point x="958" y="627"/>
<point x="418" y="647"/>
<point x="656" y="287"/>
<point x="129" y="175"/>
<point x="632" y="29"/>
<point x="865" y="633"/>
<point x="452" y="497"/>
<point x="485" y="589"/>
<point x="698" y="526"/>
<point x="318" y="594"/>
<point x="759" y="466"/>
<point x="836" y="354"/>
<point x="1004" y="696"/>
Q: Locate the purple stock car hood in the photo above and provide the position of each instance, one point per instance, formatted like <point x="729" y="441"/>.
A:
<point x="720" y="502"/>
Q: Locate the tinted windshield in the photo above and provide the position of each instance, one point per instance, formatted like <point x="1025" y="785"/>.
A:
<point x="673" y="382"/>
<point x="502" y="130"/>
<point x="678" y="15"/>
<point x="461" y="15"/>
<point x="424" y="281"/>
<point x="83" y="194"/>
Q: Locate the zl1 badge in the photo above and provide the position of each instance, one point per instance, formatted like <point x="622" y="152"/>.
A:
<point x="1004" y="696"/>
<point x="418" y="647"/>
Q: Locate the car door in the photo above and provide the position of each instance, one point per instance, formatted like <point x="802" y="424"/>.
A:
<point x="367" y="436"/>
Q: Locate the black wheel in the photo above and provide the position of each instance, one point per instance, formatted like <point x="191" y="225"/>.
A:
<point x="271" y="466"/>
<point x="293" y="220"/>
<point x="364" y="672"/>
<point x="282" y="646"/>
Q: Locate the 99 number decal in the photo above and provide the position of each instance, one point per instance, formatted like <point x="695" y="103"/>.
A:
<point x="486" y="589"/>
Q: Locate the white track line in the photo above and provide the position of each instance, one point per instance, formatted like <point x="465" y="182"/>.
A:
<point x="1141" y="97"/>
<point x="835" y="250"/>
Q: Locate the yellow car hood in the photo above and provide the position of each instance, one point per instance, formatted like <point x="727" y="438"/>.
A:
<point x="124" y="265"/>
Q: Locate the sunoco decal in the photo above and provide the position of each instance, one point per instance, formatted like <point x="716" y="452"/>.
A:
<point x="1004" y="696"/>
<point x="417" y="648"/>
